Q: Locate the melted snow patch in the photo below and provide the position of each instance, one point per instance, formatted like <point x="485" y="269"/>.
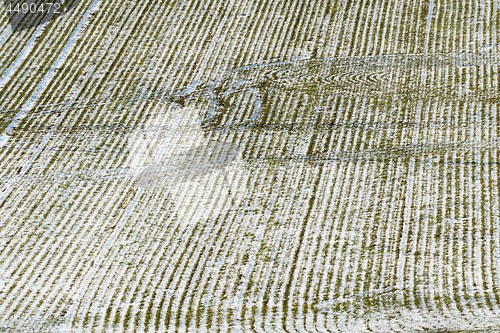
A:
<point x="388" y="313"/>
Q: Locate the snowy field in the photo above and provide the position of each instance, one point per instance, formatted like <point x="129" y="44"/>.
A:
<point x="250" y="166"/>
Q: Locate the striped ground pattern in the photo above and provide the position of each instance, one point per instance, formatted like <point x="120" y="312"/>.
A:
<point x="251" y="166"/>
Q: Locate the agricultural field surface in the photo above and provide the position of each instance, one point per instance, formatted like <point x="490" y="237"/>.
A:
<point x="250" y="166"/>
